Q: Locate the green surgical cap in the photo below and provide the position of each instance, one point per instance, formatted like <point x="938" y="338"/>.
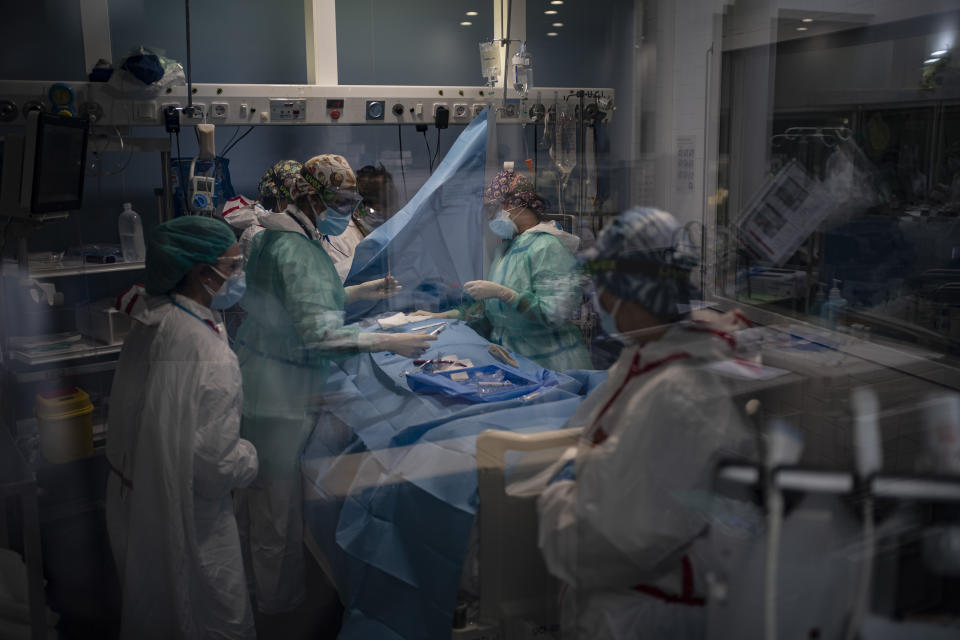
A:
<point x="177" y="246"/>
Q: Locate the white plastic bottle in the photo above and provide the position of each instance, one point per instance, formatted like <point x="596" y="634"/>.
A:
<point x="131" y="235"/>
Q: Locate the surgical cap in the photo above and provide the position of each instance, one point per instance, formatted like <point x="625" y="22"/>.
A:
<point x="645" y="256"/>
<point x="326" y="171"/>
<point x="511" y="189"/>
<point x="178" y="245"/>
<point x="278" y="179"/>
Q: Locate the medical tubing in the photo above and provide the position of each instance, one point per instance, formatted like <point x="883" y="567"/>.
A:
<point x="189" y="75"/>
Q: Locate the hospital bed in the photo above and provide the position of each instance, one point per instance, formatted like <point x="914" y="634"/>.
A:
<point x="392" y="491"/>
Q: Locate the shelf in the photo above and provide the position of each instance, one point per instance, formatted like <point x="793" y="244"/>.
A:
<point x="84" y="349"/>
<point x="81" y="269"/>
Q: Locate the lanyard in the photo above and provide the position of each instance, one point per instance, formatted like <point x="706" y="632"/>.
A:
<point x="209" y="323"/>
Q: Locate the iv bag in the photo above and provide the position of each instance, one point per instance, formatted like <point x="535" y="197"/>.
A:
<point x="522" y="70"/>
<point x="490" y="62"/>
<point x="564" y="151"/>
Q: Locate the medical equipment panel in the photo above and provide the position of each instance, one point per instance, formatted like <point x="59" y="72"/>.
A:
<point x="256" y="104"/>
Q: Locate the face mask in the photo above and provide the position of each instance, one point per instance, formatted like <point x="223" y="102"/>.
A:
<point x="608" y="321"/>
<point x="503" y="226"/>
<point x="332" y="225"/>
<point x="230" y="291"/>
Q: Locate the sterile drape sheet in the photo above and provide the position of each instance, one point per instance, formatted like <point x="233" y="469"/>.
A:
<point x="390" y="483"/>
<point x="435" y="243"/>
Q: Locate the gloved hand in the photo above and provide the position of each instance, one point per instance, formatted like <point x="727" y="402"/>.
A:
<point x="452" y="313"/>
<point x="373" y="289"/>
<point x="410" y="345"/>
<point x="483" y="289"/>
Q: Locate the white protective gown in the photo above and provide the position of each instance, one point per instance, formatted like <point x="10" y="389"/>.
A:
<point x="626" y="534"/>
<point x="173" y="444"/>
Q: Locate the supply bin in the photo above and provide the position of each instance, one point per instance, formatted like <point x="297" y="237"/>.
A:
<point x="102" y="322"/>
<point x="65" y="424"/>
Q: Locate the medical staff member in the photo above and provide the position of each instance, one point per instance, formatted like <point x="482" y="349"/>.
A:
<point x="293" y="329"/>
<point x="173" y="443"/>
<point x="274" y="186"/>
<point x="621" y="525"/>
<point x="534" y="286"/>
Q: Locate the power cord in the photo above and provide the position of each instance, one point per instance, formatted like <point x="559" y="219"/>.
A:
<point x="422" y="128"/>
<point x="232" y="145"/>
<point x="436" y="152"/>
<point x="402" y="172"/>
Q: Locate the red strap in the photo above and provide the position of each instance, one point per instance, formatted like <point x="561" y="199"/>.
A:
<point x="720" y="334"/>
<point x="212" y="326"/>
<point x="133" y="301"/>
<point x="596" y="434"/>
<point x="685" y="598"/>
<point x="742" y="318"/>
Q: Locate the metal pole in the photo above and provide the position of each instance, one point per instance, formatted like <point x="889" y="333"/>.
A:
<point x="166" y="212"/>
<point x="581" y="157"/>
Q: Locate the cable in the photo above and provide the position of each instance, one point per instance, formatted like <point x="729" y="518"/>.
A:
<point x="183" y="181"/>
<point x="189" y="75"/>
<point x="236" y="130"/>
<point x="402" y="172"/>
<point x="429" y="152"/>
<point x="436" y="152"/>
<point x="245" y="134"/>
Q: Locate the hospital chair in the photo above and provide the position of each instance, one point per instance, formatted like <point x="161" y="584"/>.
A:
<point x="518" y="597"/>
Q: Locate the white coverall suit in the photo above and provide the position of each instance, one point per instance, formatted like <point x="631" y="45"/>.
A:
<point x="175" y="453"/>
<point x="624" y="535"/>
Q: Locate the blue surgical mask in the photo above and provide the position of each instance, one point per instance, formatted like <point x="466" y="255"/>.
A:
<point x="332" y="225"/>
<point x="503" y="226"/>
<point x="608" y="321"/>
<point x="230" y="292"/>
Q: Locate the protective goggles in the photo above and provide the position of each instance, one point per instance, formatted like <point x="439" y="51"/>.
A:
<point x="228" y="266"/>
<point x="341" y="203"/>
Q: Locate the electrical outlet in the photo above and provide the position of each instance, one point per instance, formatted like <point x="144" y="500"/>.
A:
<point x="437" y="105"/>
<point x="219" y="110"/>
<point x="461" y="111"/>
<point x="196" y="112"/>
<point x="477" y="109"/>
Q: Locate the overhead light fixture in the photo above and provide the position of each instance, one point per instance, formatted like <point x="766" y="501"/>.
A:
<point x="552" y="33"/>
<point x="556" y="1"/>
<point x="557" y="24"/>
<point x="806" y="20"/>
<point x="471" y="13"/>
<point x="931" y="60"/>
<point x="465" y="23"/>
<point x="550" y="12"/>
<point x="801" y="28"/>
<point x="940" y="52"/>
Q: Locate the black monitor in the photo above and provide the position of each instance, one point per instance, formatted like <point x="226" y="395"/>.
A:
<point x="54" y="159"/>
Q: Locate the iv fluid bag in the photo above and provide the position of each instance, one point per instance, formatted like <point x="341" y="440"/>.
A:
<point x="522" y="71"/>
<point x="564" y="152"/>
<point x="490" y="62"/>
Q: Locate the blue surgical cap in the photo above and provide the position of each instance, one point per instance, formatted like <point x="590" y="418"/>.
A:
<point x="645" y="256"/>
<point x="177" y="246"/>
